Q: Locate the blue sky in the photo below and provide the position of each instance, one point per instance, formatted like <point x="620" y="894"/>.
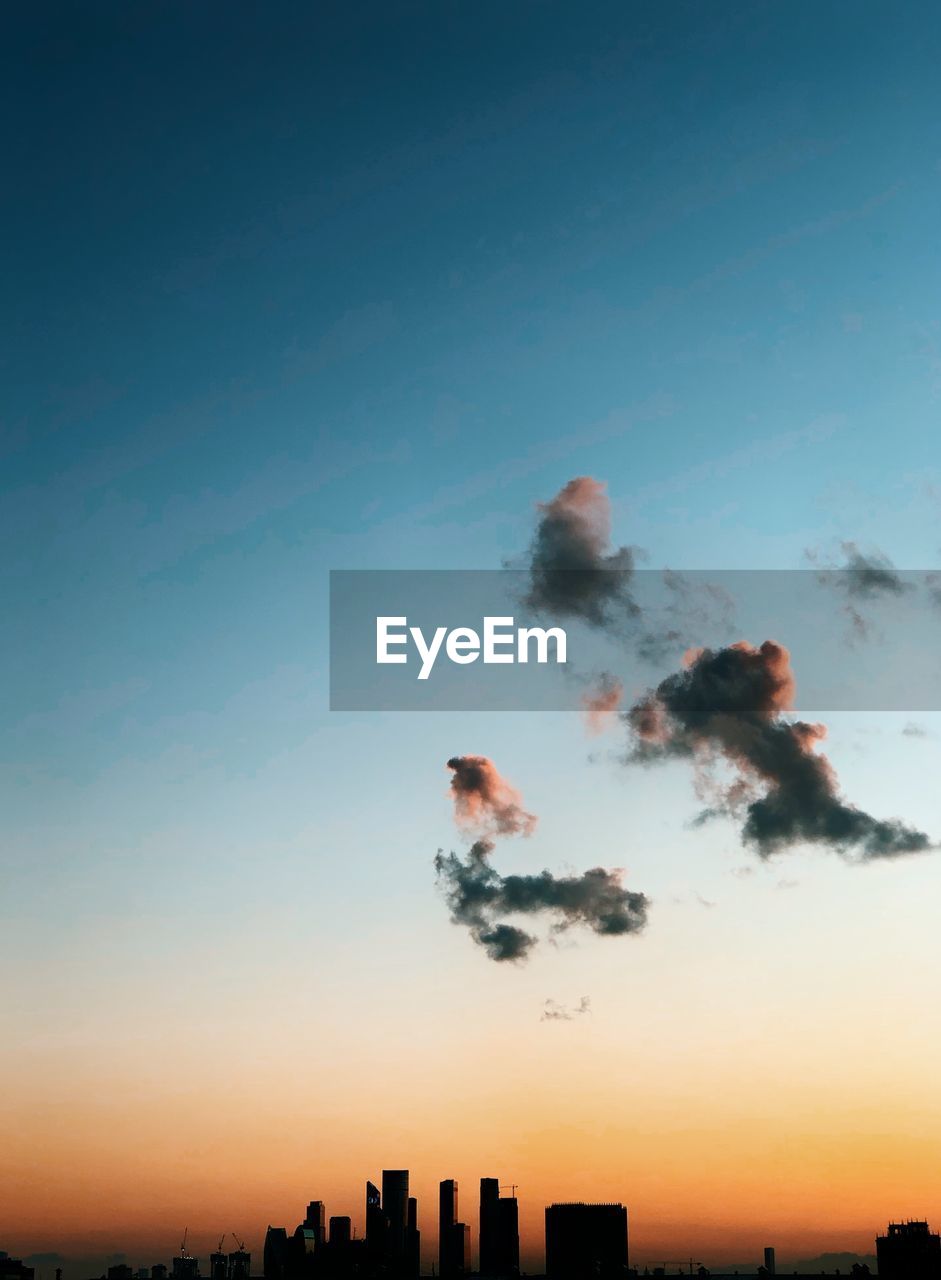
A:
<point x="291" y="288"/>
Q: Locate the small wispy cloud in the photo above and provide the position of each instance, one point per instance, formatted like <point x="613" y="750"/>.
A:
<point x="554" y="1012"/>
<point x="913" y="730"/>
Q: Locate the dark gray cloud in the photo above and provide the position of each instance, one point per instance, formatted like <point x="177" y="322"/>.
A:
<point x="573" y="570"/>
<point x="479" y="897"/>
<point x="730" y="703"/>
<point x="868" y="576"/>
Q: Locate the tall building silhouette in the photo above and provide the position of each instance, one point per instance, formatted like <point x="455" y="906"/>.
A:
<point x="462" y="1249"/>
<point x="376" y="1227"/>
<point x="489" y="1227"/>
<point x="276" y="1253"/>
<point x="499" y="1231"/>
<point x="395" y="1209"/>
<point x="586" y="1241"/>
<point x="447" y="1219"/>
<point x="412" y="1240"/>
<point x="240" y="1266"/>
<point x="454" y="1258"/>
<point x="303" y="1248"/>
<point x="508" y="1236"/>
<point x="909" y="1251"/>
<point x="315" y="1219"/>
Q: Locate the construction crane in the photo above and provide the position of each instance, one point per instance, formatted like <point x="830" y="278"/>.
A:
<point x="183" y="1253"/>
<point x="221" y="1242"/>
<point x="240" y="1243"/>
<point x="510" y="1186"/>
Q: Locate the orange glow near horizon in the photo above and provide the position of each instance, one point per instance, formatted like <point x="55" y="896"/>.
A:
<point x="709" y="1170"/>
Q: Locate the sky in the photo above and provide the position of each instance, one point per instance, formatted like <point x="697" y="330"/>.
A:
<point x="299" y="288"/>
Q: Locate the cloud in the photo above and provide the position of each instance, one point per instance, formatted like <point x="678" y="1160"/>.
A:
<point x="479" y="897"/>
<point x="692" y="608"/>
<point x="555" y="1012"/>
<point x="573" y="571"/>
<point x="484" y="801"/>
<point x="870" y="576"/>
<point x="862" y="578"/>
<point x="601" y="705"/>
<point x="729" y="703"/>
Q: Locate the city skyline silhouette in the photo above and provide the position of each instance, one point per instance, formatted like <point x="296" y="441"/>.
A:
<point x="582" y="1241"/>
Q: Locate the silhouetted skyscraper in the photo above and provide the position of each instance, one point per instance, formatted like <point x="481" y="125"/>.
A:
<point x="454" y="1256"/>
<point x="447" y="1220"/>
<point x="395" y="1208"/>
<point x="489" y="1237"/>
<point x="240" y="1265"/>
<point x="499" y="1231"/>
<point x="461" y="1234"/>
<point x="508" y="1236"/>
<point x="377" y="1227"/>
<point x="586" y="1241"/>
<point x="276" y="1253"/>
<point x="303" y="1248"/>
<point x="412" y="1240"/>
<point x="909" y="1251"/>
<point x="315" y="1218"/>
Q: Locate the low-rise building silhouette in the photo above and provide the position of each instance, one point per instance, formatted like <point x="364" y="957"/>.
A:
<point x="586" y="1241"/>
<point x="909" y="1251"/>
<point x="14" y="1269"/>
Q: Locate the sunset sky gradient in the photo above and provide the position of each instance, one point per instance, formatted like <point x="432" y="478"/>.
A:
<point x="299" y="289"/>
